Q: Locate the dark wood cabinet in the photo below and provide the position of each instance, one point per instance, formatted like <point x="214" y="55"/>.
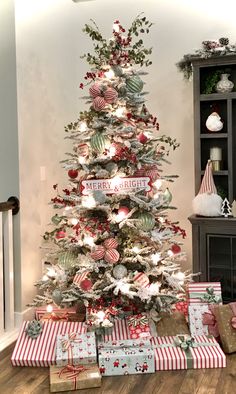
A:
<point x="214" y="239"/>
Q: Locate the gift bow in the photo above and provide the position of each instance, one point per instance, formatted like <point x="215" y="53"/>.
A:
<point x="211" y="297"/>
<point x="184" y="342"/>
<point x="233" y="320"/>
<point x="209" y="319"/>
<point x="71" y="372"/>
<point x="66" y="343"/>
<point x="138" y="320"/>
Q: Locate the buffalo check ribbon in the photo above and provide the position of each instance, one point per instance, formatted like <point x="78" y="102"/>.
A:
<point x="71" y="372"/>
<point x="185" y="343"/>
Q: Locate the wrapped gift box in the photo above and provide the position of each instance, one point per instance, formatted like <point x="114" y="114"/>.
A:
<point x="42" y="310"/>
<point x="63" y="316"/>
<point x="74" y="378"/>
<point x="202" y="320"/>
<point x="139" y="326"/>
<point x="173" y="324"/>
<point x="226" y="320"/>
<point x="76" y="349"/>
<point x="204" y="293"/>
<point x="120" y="331"/>
<point x="126" y="357"/>
<point x="169" y="355"/>
<point x="41" y="352"/>
<point x="181" y="306"/>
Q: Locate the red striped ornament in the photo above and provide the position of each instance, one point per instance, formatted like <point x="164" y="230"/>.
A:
<point x="110" y="243"/>
<point x="99" y="103"/>
<point x="107" y="251"/>
<point x="174" y="358"/>
<point x="98" y="253"/>
<point x="142" y="279"/>
<point x="95" y="90"/>
<point x="110" y="95"/>
<point x="111" y="256"/>
<point x="78" y="278"/>
<point x="41" y="352"/>
<point x="151" y="171"/>
<point x="83" y="150"/>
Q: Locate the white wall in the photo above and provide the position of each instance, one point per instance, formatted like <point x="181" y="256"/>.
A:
<point x="49" y="45"/>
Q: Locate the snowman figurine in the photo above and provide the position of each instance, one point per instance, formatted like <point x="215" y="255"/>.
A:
<point x="214" y="123"/>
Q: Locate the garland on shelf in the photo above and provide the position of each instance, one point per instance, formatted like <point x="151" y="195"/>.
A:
<point x="222" y="47"/>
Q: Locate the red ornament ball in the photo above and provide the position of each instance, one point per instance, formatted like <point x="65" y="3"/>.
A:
<point x="73" y="174"/>
<point x="123" y="212"/>
<point x="95" y="90"/>
<point x="142" y="138"/>
<point x="86" y="284"/>
<point x="60" y="234"/>
<point x="175" y="248"/>
<point x="110" y="95"/>
<point x="99" y="103"/>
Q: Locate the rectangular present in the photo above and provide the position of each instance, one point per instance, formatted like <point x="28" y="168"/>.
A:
<point x="169" y="355"/>
<point x="173" y="324"/>
<point x="204" y="293"/>
<point x="126" y="357"/>
<point x="42" y="310"/>
<point x="76" y="349"/>
<point x="74" y="378"/>
<point x="202" y="319"/>
<point x="41" y="352"/>
<point x="226" y="320"/>
<point x="138" y="326"/>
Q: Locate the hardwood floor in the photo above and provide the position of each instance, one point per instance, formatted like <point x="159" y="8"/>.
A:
<point x="16" y="380"/>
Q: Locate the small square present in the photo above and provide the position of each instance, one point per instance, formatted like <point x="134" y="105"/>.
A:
<point x="204" y="293"/>
<point x="226" y="320"/>
<point x="74" y="377"/>
<point x="42" y="310"/>
<point x="41" y="352"/>
<point x="184" y="352"/>
<point x="139" y="326"/>
<point x="76" y="349"/>
<point x="202" y="320"/>
<point x="126" y="357"/>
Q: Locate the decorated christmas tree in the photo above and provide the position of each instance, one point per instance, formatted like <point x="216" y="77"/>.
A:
<point x="111" y="243"/>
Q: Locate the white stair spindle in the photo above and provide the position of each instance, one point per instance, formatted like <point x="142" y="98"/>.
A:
<point x="8" y="270"/>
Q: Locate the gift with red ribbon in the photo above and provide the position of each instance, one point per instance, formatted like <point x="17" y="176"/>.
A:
<point x="226" y="320"/>
<point x="76" y="349"/>
<point x="209" y="319"/>
<point x="139" y="326"/>
<point x="74" y="377"/>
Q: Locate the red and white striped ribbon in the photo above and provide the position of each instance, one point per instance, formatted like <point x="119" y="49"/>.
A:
<point x="78" y="278"/>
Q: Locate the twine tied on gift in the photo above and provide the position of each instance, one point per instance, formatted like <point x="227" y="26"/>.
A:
<point x="71" y="372"/>
<point x="66" y="343"/>
<point x="210" y="296"/>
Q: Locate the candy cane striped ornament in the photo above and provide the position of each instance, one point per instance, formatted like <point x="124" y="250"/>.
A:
<point x="95" y="90"/>
<point x="110" y="95"/>
<point x="141" y="278"/>
<point x="78" y="278"/>
<point x="107" y="251"/>
<point x="99" y="103"/>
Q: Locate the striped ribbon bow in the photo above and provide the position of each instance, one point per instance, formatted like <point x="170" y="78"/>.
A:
<point x="66" y="343"/>
<point x="71" y="372"/>
<point x="185" y="342"/>
<point x="138" y="320"/>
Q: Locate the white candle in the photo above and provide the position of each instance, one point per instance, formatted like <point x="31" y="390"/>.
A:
<point x="215" y="153"/>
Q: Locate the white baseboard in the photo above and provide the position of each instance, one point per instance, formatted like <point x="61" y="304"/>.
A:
<point x="7" y="338"/>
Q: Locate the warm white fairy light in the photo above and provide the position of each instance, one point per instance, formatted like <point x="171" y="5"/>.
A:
<point x="154" y="289"/>
<point x="74" y="221"/>
<point x="81" y="159"/>
<point x="109" y="74"/>
<point x="116" y="27"/>
<point x="158" y="183"/>
<point x="49" y="308"/>
<point x="120" y="112"/>
<point x="112" y="151"/>
<point x="89" y="241"/>
<point x="88" y="202"/>
<point x="156" y="257"/>
<point x="136" y="249"/>
<point x="44" y="278"/>
<point x="180" y="276"/>
<point x="100" y="315"/>
<point x="51" y="272"/>
<point x="161" y="219"/>
<point x="83" y="126"/>
<point x="170" y="253"/>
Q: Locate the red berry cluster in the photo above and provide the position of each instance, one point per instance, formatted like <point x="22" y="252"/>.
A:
<point x="175" y="228"/>
<point x="90" y="75"/>
<point x="124" y="153"/>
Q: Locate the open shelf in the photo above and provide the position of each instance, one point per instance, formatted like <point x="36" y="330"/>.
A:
<point x="213" y="135"/>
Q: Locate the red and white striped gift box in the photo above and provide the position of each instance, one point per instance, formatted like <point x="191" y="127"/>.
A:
<point x="172" y="358"/>
<point x="120" y="331"/>
<point x="197" y="290"/>
<point x="42" y="310"/>
<point x="41" y="352"/>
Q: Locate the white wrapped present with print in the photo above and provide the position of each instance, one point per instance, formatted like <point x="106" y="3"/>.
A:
<point x="126" y="357"/>
<point x="204" y="293"/>
<point x="76" y="349"/>
<point x="202" y="320"/>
